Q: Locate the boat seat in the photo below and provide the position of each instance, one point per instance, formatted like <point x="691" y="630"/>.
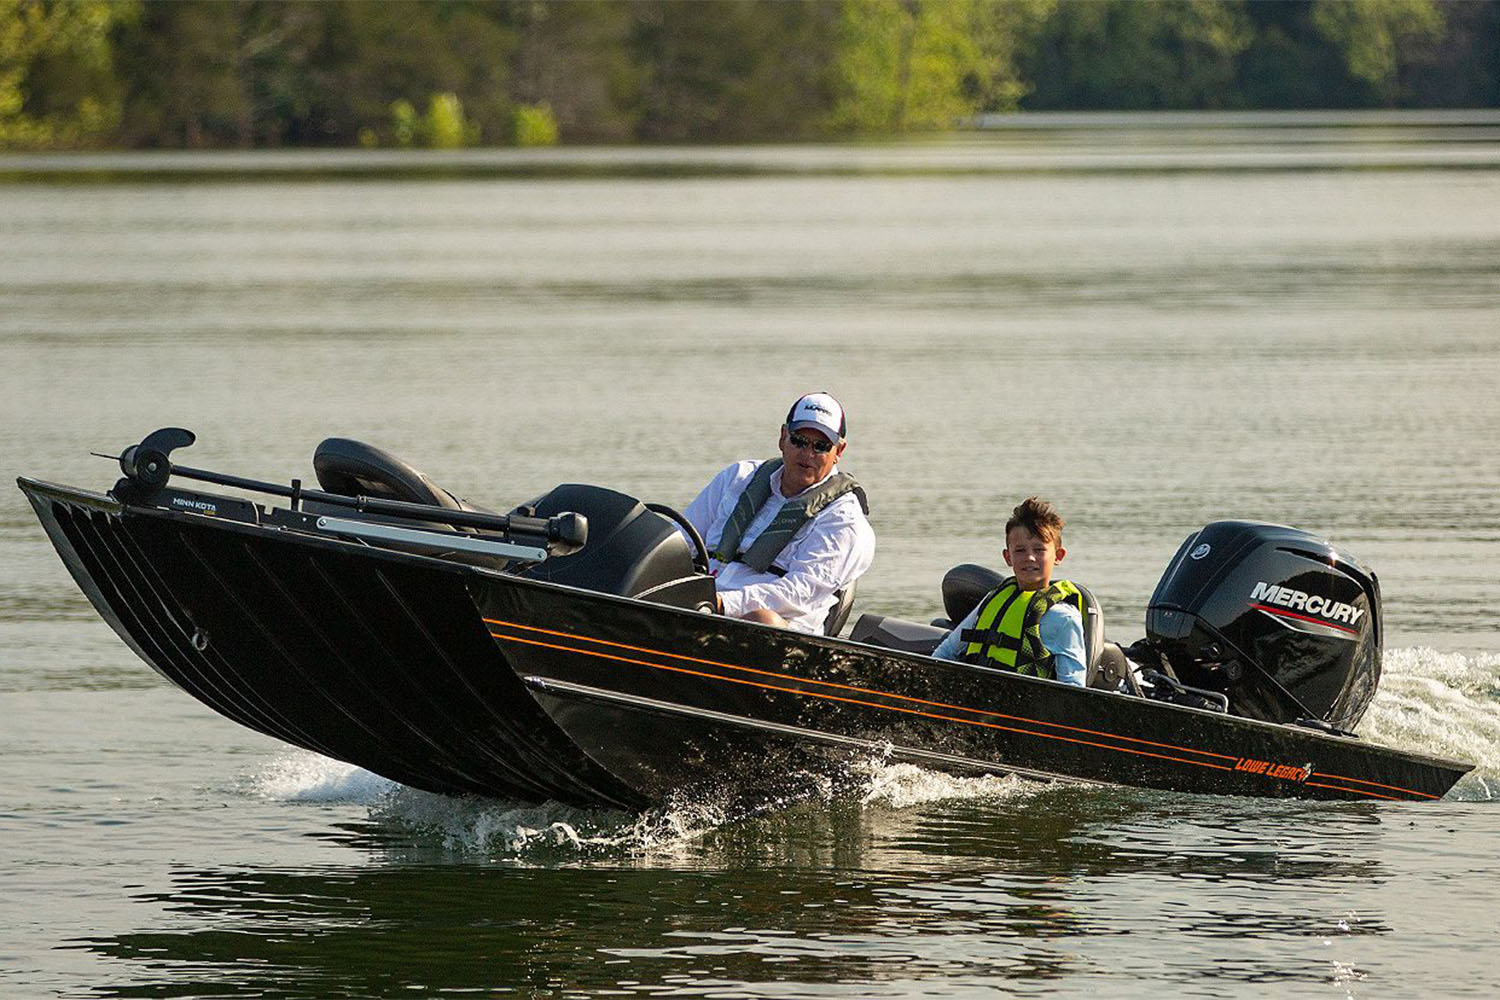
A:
<point x="838" y="614"/>
<point x="353" y="468"/>
<point x="632" y="550"/>
<point x="896" y="633"/>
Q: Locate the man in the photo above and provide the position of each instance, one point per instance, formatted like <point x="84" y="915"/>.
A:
<point x="786" y="535"/>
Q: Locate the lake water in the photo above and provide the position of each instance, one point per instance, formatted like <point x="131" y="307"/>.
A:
<point x="1154" y="327"/>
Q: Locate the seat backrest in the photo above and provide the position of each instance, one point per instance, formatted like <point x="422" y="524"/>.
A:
<point x="353" y="468"/>
<point x="632" y="551"/>
<point x="1093" y="634"/>
<point x="839" y="613"/>
<point x="964" y="586"/>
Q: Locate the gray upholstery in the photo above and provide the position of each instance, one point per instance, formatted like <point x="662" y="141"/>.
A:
<point x="839" y="613"/>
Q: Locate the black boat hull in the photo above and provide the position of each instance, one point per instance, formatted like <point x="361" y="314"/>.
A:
<point x="459" y="679"/>
<point x="368" y="656"/>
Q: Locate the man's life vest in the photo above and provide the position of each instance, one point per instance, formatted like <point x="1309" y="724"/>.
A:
<point x="787" y="522"/>
<point x="1008" y="631"/>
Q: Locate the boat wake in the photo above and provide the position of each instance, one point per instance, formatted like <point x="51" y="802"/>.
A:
<point x="301" y="776"/>
<point x="473" y="828"/>
<point x="1440" y="703"/>
<point x="904" y="786"/>
<point x="1447" y="704"/>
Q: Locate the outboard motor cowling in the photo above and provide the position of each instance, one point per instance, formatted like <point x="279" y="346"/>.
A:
<point x="1279" y="620"/>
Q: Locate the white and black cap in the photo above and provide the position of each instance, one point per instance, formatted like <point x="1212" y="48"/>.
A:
<point x="820" y="412"/>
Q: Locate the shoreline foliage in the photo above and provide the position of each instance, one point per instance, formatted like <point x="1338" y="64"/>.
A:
<point x="203" y="74"/>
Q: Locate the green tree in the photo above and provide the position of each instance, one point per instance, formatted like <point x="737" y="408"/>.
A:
<point x="1003" y="30"/>
<point x="443" y="126"/>
<point x="925" y="64"/>
<point x="57" y="76"/>
<point x="255" y="73"/>
<point x="1288" y="64"/>
<point x="1119" y="54"/>
<point x="576" y="60"/>
<point x="403" y="123"/>
<point x="1374" y="37"/>
<point x="535" y="126"/>
<point x="371" y="54"/>
<point x="730" y="71"/>
<point x="182" y="61"/>
<point x="1462" y="70"/>
<point x="270" y="72"/>
<point x="928" y="64"/>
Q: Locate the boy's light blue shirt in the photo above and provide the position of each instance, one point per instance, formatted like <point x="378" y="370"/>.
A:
<point x="1062" y="634"/>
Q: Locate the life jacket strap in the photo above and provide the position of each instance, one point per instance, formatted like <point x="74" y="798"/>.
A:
<point x="990" y="637"/>
<point x="789" y="520"/>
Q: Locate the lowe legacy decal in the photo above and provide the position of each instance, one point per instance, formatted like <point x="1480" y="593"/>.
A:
<point x="1284" y="772"/>
<point x="1298" y="605"/>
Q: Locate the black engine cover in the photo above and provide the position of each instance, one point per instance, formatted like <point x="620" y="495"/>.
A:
<point x="1278" y="619"/>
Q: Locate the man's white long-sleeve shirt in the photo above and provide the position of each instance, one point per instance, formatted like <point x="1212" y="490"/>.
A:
<point x="826" y="555"/>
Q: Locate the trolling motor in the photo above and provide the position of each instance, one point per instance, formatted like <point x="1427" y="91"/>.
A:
<point x="1278" y="620"/>
<point x="148" y="466"/>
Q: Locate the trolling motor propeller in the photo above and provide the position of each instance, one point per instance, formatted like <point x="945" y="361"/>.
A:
<point x="148" y="465"/>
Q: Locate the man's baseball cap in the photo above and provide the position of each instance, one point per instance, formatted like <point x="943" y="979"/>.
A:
<point x="820" y="412"/>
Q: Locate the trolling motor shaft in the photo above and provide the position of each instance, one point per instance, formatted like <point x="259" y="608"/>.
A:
<point x="148" y="466"/>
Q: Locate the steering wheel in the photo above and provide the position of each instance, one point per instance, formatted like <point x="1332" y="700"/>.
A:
<point x="700" y="550"/>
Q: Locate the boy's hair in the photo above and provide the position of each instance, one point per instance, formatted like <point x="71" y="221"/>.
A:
<point x="1038" y="517"/>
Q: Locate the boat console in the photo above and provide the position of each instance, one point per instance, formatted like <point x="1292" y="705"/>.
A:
<point x="635" y="549"/>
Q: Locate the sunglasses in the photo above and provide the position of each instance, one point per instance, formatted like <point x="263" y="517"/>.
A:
<point x="818" y="445"/>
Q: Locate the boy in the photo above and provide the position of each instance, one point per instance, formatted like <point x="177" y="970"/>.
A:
<point x="1030" y="623"/>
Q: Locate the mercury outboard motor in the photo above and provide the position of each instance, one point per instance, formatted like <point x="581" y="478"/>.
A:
<point x="1278" y="620"/>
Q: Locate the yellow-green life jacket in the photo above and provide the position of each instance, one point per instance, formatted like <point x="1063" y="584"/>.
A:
<point x="1008" y="632"/>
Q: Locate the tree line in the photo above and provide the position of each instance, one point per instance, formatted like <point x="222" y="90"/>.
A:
<point x="277" y="73"/>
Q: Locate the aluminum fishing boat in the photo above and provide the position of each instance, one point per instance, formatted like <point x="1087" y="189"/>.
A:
<point x="567" y="650"/>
